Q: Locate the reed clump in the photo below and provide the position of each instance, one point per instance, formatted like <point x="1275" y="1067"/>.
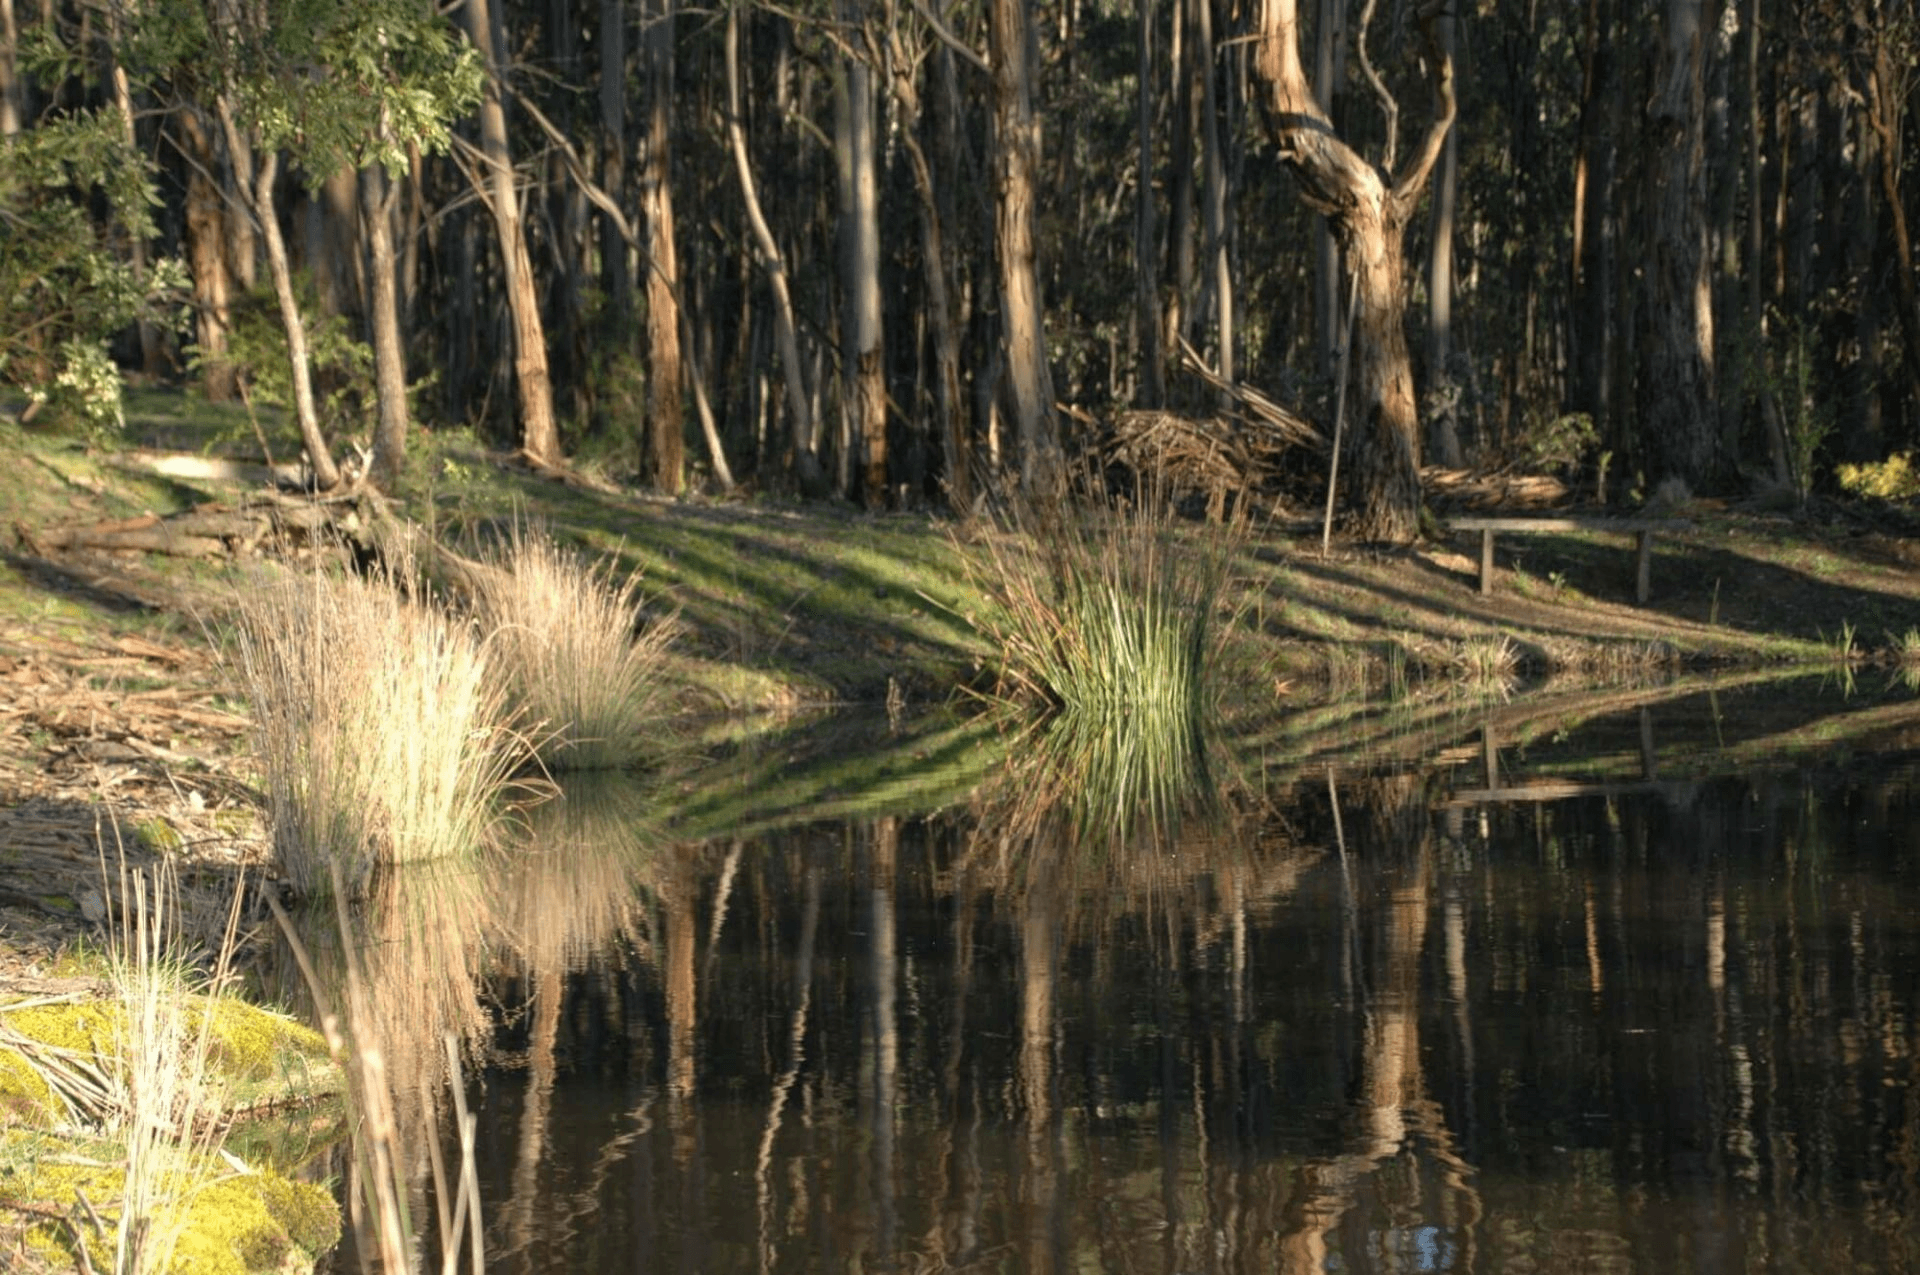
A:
<point x="579" y="659"/>
<point x="1108" y="607"/>
<point x="382" y="732"/>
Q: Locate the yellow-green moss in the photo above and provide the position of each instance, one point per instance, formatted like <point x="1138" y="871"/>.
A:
<point x="24" y="1095"/>
<point x="221" y="1222"/>
<point x="255" y="1054"/>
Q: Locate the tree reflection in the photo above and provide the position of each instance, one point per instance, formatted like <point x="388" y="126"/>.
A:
<point x="1357" y="1024"/>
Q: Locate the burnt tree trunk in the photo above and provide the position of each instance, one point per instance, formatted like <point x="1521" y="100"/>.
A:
<point x="1676" y="371"/>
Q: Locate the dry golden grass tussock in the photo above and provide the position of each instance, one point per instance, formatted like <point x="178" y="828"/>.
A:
<point x="578" y="657"/>
<point x="382" y="733"/>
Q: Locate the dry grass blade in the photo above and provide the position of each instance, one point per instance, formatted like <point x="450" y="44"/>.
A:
<point x="579" y="657"/>
<point x="377" y="1207"/>
<point x="383" y="735"/>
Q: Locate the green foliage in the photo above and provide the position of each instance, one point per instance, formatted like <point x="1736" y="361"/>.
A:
<point x="1807" y="417"/>
<point x="338" y="85"/>
<point x="342" y="365"/>
<point x="1894" y="478"/>
<point x="72" y="192"/>
<point x="1562" y="443"/>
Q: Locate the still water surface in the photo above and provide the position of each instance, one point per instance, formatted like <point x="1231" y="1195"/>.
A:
<point x="1581" y="1002"/>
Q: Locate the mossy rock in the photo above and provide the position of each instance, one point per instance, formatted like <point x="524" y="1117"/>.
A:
<point x="216" y="1220"/>
<point x="235" y="1213"/>
<point x="257" y="1058"/>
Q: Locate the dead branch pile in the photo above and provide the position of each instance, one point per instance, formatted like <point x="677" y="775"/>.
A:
<point x="1233" y="451"/>
<point x="215" y="529"/>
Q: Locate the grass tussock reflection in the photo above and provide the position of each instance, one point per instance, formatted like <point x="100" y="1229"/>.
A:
<point x="1105" y="607"/>
<point x="575" y="885"/>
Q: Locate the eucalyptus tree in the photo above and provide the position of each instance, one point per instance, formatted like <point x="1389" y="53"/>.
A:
<point x="1369" y="210"/>
<point x="533" y="385"/>
<point x="335" y="87"/>
<point x="1016" y="138"/>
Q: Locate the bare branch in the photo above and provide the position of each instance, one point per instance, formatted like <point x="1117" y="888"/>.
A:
<point x="1388" y="105"/>
<point x="1407" y="190"/>
<point x="949" y="39"/>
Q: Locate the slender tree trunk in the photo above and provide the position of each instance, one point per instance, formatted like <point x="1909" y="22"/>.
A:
<point x="1017" y="141"/>
<point x="1676" y="376"/>
<point x="206" y="215"/>
<point x="539" y="435"/>
<point x="151" y="345"/>
<point x="13" y="107"/>
<point x="1153" y="373"/>
<point x="616" y="271"/>
<point x="1593" y="234"/>
<point x="1369" y="218"/>
<point x="1214" y="183"/>
<point x="806" y="458"/>
<point x="933" y="252"/>
<point x="326" y="475"/>
<point x="861" y="358"/>
<point x="1180" y="249"/>
<point x="1885" y="109"/>
<point x="1443" y="416"/>
<point x="666" y="413"/>
<point x="389" y="355"/>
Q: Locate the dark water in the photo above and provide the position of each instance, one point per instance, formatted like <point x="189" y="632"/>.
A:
<point x="1605" y="1005"/>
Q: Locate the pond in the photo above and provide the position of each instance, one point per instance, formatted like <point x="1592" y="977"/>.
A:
<point x="1615" y="984"/>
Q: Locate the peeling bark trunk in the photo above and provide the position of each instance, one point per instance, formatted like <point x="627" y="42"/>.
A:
<point x="666" y="414"/>
<point x="1676" y="372"/>
<point x="1017" y="139"/>
<point x="1369" y="218"/>
<point x="539" y="436"/>
<point x="206" y="214"/>
<point x="389" y="355"/>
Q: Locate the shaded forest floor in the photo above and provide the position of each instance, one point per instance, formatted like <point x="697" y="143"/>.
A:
<point x="120" y="726"/>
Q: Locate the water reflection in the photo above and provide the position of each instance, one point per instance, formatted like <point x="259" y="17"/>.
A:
<point x="1543" y="1003"/>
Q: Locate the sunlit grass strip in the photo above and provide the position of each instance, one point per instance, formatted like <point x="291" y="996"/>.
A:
<point x="381" y="734"/>
<point x="578" y="658"/>
<point x="1111" y="609"/>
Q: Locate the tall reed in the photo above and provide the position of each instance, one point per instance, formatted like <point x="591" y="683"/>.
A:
<point x="579" y="658"/>
<point x="1108" y="607"/>
<point x="382" y="735"/>
<point x="396" y="1120"/>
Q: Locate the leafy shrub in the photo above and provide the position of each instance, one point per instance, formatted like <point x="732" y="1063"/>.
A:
<point x="65" y="286"/>
<point x="1894" y="478"/>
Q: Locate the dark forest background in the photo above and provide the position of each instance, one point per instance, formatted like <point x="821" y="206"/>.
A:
<point x="886" y="249"/>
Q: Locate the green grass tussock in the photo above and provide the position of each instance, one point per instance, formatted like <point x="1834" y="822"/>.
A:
<point x="1106" y="610"/>
<point x="579" y="660"/>
<point x="382" y="733"/>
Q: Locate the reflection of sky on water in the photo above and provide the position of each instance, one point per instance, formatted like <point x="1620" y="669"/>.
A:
<point x="1663" y="1022"/>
